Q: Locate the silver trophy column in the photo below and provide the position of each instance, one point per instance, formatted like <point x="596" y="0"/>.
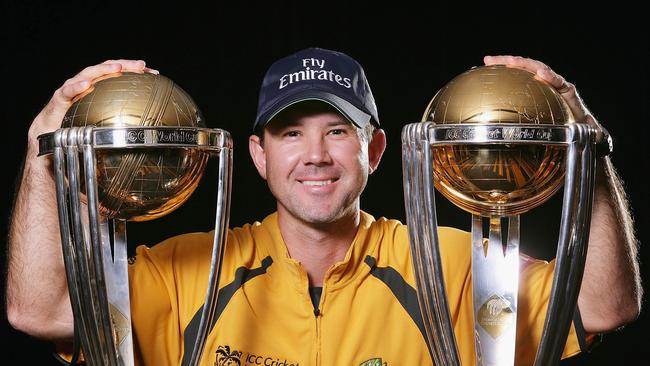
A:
<point x="95" y="247"/>
<point x="495" y="263"/>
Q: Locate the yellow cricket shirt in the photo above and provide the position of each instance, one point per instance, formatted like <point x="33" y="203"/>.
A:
<point x="367" y="315"/>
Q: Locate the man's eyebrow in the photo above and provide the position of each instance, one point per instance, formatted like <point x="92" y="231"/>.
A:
<point x="287" y="123"/>
<point x="339" y="123"/>
<point x="282" y="124"/>
<point x="294" y="123"/>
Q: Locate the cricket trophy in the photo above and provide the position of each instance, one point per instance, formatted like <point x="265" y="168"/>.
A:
<point x="497" y="142"/>
<point x="131" y="148"/>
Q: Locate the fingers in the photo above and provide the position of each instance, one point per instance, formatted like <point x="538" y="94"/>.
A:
<point x="536" y="67"/>
<point x="128" y="64"/>
<point x="544" y="72"/>
<point x="67" y="92"/>
<point x="52" y="114"/>
<point x="63" y="97"/>
<point x="133" y="65"/>
<point x="151" y="71"/>
<point x="516" y="61"/>
<point x="80" y="82"/>
<point x="49" y="119"/>
<point x="91" y="73"/>
<point x="557" y="81"/>
<point x="61" y="100"/>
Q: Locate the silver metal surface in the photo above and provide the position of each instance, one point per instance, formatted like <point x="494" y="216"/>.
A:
<point x="510" y="133"/>
<point x="572" y="244"/>
<point x="224" y="182"/>
<point x="495" y="263"/>
<point x="495" y="280"/>
<point x="96" y="258"/>
<point x="145" y="137"/>
<point x="420" y="211"/>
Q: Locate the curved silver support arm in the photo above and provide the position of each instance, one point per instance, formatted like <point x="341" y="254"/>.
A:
<point x="419" y="194"/>
<point x="220" y="235"/>
<point x="103" y="269"/>
<point x="70" y="252"/>
<point x="89" y="280"/>
<point x="417" y="140"/>
<point x="78" y="251"/>
<point x="95" y="261"/>
<point x="572" y="245"/>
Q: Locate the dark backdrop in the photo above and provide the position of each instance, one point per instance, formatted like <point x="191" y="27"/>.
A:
<point x="218" y="54"/>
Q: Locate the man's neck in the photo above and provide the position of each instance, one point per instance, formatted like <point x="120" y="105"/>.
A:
<point x="318" y="247"/>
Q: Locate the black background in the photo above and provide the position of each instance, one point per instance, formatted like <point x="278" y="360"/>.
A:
<point x="218" y="53"/>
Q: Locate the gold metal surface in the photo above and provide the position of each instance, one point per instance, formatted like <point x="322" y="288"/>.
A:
<point x="140" y="184"/>
<point x="495" y="315"/>
<point x="121" y="326"/>
<point x="501" y="179"/>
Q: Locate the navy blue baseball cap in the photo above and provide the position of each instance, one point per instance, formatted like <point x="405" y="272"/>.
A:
<point x="317" y="74"/>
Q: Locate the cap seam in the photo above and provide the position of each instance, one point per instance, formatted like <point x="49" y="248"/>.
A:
<point x="313" y="98"/>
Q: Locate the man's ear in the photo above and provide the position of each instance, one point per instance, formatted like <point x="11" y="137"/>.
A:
<point x="258" y="155"/>
<point x="376" y="149"/>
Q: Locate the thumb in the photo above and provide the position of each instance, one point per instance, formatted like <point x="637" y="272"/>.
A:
<point x="50" y="118"/>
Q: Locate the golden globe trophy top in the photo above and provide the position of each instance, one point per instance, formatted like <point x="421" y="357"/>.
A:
<point x="131" y="148"/>
<point x="497" y="142"/>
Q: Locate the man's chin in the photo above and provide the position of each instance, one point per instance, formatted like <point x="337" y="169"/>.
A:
<point x="322" y="218"/>
<point x="320" y="214"/>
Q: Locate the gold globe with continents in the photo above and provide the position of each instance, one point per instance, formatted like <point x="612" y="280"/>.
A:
<point x="497" y="141"/>
<point x="497" y="178"/>
<point x="138" y="180"/>
<point x="133" y="147"/>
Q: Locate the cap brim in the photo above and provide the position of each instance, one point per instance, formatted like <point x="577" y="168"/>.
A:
<point x="358" y="117"/>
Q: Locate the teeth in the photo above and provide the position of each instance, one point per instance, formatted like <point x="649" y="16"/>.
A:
<point x="317" y="182"/>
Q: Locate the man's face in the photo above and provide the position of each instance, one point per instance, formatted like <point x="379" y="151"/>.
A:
<point x="316" y="165"/>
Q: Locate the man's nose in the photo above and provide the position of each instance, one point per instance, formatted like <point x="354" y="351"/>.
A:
<point x="317" y="151"/>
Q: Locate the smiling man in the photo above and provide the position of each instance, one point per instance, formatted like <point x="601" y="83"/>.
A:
<point x="319" y="282"/>
<point x="316" y="164"/>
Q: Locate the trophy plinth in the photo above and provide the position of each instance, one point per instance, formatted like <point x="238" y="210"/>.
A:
<point x="497" y="142"/>
<point x="133" y="147"/>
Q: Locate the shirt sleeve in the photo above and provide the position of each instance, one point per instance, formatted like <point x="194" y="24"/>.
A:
<point x="535" y="283"/>
<point x="534" y="297"/>
<point x="166" y="283"/>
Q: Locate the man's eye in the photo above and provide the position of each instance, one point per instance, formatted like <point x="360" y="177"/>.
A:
<point x="337" y="131"/>
<point x="292" y="133"/>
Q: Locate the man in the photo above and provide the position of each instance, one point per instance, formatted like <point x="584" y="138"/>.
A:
<point x="319" y="282"/>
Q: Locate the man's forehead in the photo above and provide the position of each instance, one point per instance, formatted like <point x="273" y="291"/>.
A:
<point x="307" y="109"/>
<point x="298" y="118"/>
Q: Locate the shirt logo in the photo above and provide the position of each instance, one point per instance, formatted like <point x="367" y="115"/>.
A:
<point x="373" y="362"/>
<point x="225" y="357"/>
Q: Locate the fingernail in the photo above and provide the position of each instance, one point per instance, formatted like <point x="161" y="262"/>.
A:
<point x="84" y="84"/>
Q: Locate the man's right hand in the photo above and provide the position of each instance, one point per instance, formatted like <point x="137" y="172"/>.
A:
<point x="49" y="119"/>
<point x="37" y="293"/>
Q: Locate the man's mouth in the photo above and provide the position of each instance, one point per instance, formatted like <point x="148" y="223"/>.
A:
<point x="317" y="182"/>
